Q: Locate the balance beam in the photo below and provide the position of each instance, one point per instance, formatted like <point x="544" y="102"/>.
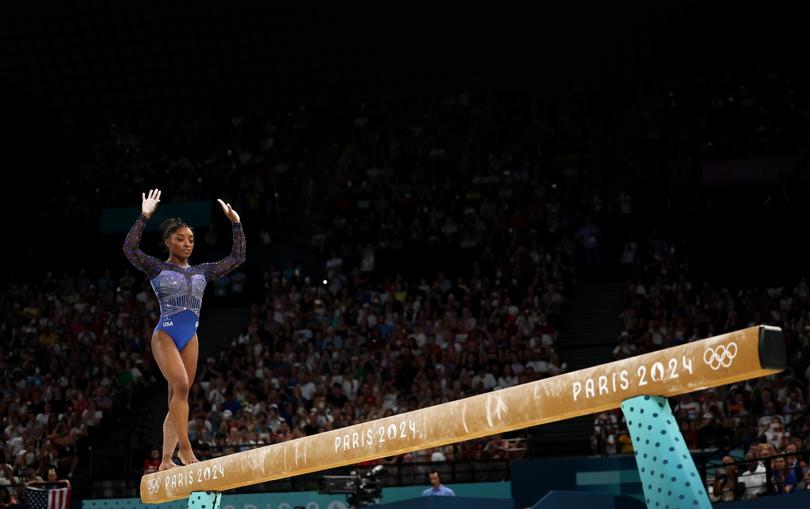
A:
<point x="719" y="360"/>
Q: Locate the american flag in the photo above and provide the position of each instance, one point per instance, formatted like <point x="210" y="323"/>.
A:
<point x="48" y="495"/>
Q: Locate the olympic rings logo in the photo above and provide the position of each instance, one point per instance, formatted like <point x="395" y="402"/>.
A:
<point x="722" y="356"/>
<point x="153" y="486"/>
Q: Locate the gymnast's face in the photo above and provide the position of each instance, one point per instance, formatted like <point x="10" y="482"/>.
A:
<point x="181" y="243"/>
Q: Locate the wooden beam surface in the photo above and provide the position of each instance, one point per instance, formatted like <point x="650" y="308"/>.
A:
<point x="720" y="360"/>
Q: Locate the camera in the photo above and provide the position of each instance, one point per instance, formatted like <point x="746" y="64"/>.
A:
<point x="360" y="490"/>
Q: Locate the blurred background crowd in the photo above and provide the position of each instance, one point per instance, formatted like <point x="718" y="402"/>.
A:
<point x="413" y="250"/>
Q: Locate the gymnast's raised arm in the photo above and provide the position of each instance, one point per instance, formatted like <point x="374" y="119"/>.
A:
<point x="136" y="257"/>
<point x="238" y="248"/>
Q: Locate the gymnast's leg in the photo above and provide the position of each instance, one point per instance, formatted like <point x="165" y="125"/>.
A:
<point x="170" y="441"/>
<point x="189" y="355"/>
<point x="169" y="438"/>
<point x="173" y="367"/>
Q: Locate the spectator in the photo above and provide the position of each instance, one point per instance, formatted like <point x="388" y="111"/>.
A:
<point x="437" y="489"/>
<point x="727" y="486"/>
<point x="6" y="498"/>
<point x="7" y="477"/>
<point x="784" y="480"/>
<point x="625" y="441"/>
<point x="794" y="462"/>
<point x="775" y="433"/>
<point x="754" y="476"/>
<point x="604" y="440"/>
<point x="152" y="463"/>
<point x="496" y="448"/>
<point x="589" y="236"/>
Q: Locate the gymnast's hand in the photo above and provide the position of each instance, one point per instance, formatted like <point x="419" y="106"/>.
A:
<point x="150" y="203"/>
<point x="229" y="212"/>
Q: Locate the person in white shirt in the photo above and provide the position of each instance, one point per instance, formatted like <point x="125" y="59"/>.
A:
<point x="274" y="421"/>
<point x="487" y="380"/>
<point x="775" y="432"/>
<point x="754" y="476"/>
<point x="308" y="388"/>
<point x="7" y="477"/>
<point x="539" y="366"/>
<point x="507" y="379"/>
<point x="437" y="456"/>
<point x="689" y="406"/>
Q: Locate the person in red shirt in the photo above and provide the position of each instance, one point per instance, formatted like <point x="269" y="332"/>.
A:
<point x="737" y="405"/>
<point x="152" y="463"/>
<point x="6" y="498"/>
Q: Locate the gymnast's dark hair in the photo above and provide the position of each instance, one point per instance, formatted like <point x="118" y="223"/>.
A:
<point x="170" y="226"/>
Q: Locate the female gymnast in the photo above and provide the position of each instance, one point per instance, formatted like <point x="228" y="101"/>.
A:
<point x="179" y="288"/>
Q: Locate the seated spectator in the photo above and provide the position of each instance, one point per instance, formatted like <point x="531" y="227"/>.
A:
<point x="754" y="476"/>
<point x="737" y="404"/>
<point x="775" y="433"/>
<point x="152" y="463"/>
<point x="437" y="455"/>
<point x="794" y="462"/>
<point x="687" y="408"/>
<point x="495" y="448"/>
<point x="625" y="442"/>
<point x="66" y="445"/>
<point x="784" y="480"/>
<point x="6" y="498"/>
<point x="727" y="486"/>
<point x="604" y="439"/>
<point x="7" y="477"/>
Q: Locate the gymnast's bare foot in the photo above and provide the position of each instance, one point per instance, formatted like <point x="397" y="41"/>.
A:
<point x="166" y="464"/>
<point x="186" y="456"/>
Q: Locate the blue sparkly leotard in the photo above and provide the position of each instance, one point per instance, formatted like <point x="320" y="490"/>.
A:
<point x="179" y="290"/>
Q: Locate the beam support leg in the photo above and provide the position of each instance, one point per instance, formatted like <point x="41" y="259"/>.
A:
<point x="204" y="500"/>
<point x="667" y="472"/>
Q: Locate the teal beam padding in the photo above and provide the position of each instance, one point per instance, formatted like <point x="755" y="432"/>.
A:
<point x="204" y="500"/>
<point x="668" y="475"/>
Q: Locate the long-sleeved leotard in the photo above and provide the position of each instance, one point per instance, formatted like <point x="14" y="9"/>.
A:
<point x="179" y="290"/>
